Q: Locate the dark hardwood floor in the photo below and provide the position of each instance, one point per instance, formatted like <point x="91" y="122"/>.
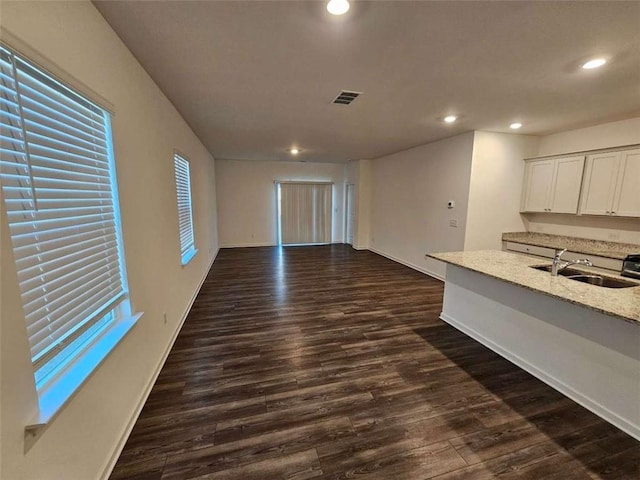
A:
<point x="327" y="363"/>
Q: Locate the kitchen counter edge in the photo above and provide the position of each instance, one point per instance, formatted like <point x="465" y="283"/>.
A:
<point x="623" y="303"/>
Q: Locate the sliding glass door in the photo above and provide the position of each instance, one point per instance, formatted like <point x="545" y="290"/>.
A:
<point x="304" y="213"/>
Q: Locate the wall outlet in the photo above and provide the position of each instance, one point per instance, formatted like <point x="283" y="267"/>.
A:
<point x="453" y="222"/>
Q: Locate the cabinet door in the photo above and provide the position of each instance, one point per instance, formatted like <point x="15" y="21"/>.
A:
<point x="537" y="187"/>
<point x="567" y="180"/>
<point x="626" y="201"/>
<point x="599" y="184"/>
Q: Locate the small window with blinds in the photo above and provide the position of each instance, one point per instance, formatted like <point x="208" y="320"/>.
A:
<point x="185" y="214"/>
<point x="58" y="186"/>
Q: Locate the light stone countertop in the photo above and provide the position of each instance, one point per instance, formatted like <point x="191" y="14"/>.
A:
<point x="623" y="303"/>
<point x="601" y="248"/>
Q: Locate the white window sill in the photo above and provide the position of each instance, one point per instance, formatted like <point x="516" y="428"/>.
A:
<point x="53" y="397"/>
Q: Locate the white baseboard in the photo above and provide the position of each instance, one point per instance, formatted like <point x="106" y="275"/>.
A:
<point x="244" y="245"/>
<point x="408" y="264"/>
<point x="552" y="381"/>
<point x="269" y="244"/>
<point x="147" y="390"/>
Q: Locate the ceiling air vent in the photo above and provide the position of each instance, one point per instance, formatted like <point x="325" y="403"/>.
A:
<point x="346" y="97"/>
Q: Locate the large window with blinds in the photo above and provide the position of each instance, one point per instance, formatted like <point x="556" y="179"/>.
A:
<point x="185" y="214"/>
<point x="58" y="185"/>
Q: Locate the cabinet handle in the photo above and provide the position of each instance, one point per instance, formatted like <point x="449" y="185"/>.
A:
<point x="608" y="212"/>
<point x="613" y="213"/>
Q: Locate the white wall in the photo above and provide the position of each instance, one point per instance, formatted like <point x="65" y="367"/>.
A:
<point x="613" y="134"/>
<point x="82" y="441"/>
<point x="410" y="190"/>
<point x="352" y="177"/>
<point x="358" y="173"/>
<point x="625" y="230"/>
<point x="495" y="187"/>
<point x="247" y="198"/>
<point x="365" y="180"/>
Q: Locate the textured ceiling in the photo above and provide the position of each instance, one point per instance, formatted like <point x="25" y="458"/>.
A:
<point x="255" y="78"/>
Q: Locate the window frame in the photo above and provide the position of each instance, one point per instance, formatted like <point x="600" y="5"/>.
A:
<point x="185" y="230"/>
<point x="78" y="358"/>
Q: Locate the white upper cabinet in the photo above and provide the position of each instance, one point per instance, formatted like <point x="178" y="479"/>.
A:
<point x="538" y="176"/>
<point x="626" y="200"/>
<point x="566" y="185"/>
<point x="599" y="183"/>
<point x="612" y="184"/>
<point x="552" y="185"/>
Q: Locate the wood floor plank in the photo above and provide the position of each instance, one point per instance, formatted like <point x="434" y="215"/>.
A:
<point x="137" y="467"/>
<point x="401" y="460"/>
<point x="329" y="363"/>
<point x="496" y="441"/>
<point x="527" y="406"/>
<point x="298" y="466"/>
<point x="537" y="462"/>
<point x="233" y="430"/>
<point x="624" y="465"/>
<point x="256" y="448"/>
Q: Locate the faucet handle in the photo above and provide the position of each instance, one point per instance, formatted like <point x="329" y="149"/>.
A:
<point x="559" y="253"/>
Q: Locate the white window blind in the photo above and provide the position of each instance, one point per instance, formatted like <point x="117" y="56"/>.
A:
<point x="185" y="216"/>
<point x="305" y="213"/>
<point x="58" y="187"/>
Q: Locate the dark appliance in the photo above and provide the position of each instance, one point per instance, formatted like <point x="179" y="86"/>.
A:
<point x="631" y="266"/>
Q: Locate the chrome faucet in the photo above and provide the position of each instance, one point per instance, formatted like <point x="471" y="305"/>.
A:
<point x="558" y="265"/>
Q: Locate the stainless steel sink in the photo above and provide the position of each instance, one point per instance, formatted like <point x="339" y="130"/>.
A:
<point x="601" y="281"/>
<point x="592" y="279"/>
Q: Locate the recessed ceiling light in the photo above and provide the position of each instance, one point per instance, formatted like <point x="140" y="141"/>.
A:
<point x="294" y="151"/>
<point x="338" y="7"/>
<point x="450" y="118"/>
<point x="515" y="126"/>
<point x="595" y="63"/>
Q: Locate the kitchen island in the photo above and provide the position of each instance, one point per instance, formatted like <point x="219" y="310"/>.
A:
<point x="581" y="339"/>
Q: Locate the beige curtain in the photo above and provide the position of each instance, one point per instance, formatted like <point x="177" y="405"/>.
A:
<point x="305" y="213"/>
